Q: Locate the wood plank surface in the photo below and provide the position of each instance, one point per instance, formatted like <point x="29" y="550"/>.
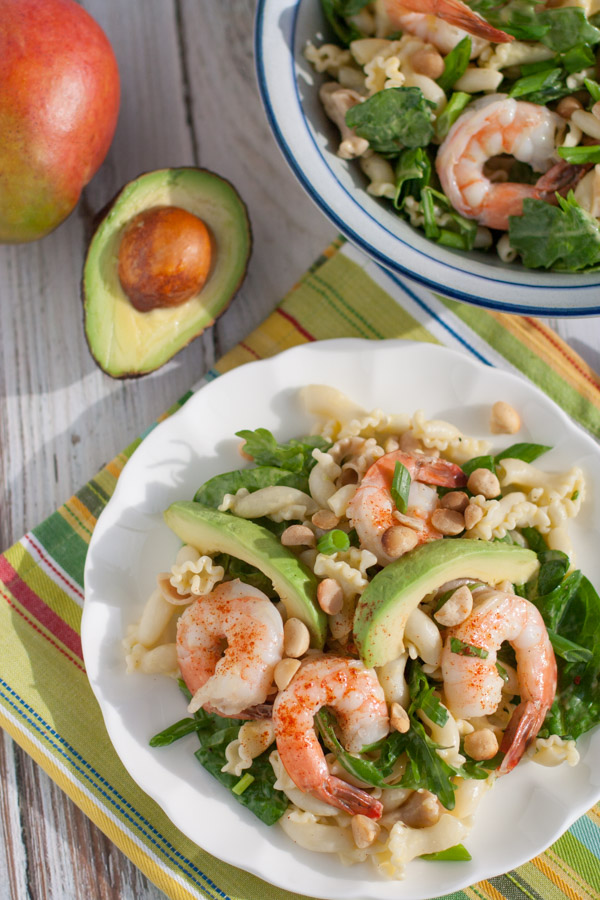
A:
<point x="189" y="96"/>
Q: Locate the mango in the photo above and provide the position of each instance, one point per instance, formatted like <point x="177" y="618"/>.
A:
<point x="59" y="102"/>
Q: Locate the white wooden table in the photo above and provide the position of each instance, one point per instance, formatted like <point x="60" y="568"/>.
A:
<point x="188" y="97"/>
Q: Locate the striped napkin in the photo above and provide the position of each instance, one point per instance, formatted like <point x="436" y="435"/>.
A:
<point x="41" y="586"/>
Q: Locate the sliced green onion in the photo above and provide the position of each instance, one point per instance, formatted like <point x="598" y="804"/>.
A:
<point x="502" y="672"/>
<point x="450" y="114"/>
<point x="400" y="486"/>
<point x="458" y="853"/>
<point x="580" y="155"/>
<point x="593" y="88"/>
<point x="333" y="542"/>
<point x="455" y="64"/>
<point x="244" y="782"/>
<point x="464" y="649"/>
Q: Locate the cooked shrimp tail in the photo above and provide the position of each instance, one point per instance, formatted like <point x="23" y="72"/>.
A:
<point x="521" y="731"/>
<point x="354" y="693"/>
<point x="350" y="799"/>
<point x="472" y="684"/>
<point x="455" y="12"/>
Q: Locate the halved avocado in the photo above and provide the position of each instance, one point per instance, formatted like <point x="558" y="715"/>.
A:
<point x="212" y="531"/>
<point x="397" y="589"/>
<point x="126" y="342"/>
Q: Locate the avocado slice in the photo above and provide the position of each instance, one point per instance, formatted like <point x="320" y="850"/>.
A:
<point x="126" y="342"/>
<point x="397" y="589"/>
<point x="210" y="531"/>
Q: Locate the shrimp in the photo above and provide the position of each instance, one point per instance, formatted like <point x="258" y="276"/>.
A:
<point x="491" y="126"/>
<point x="472" y="683"/>
<point x="455" y="12"/>
<point x="353" y="691"/>
<point x="372" y="509"/>
<point x="434" y="31"/>
<point x="232" y="682"/>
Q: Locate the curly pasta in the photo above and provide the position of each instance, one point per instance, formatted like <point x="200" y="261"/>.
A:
<point x="347" y="567"/>
<point x="278" y="502"/>
<point x="253" y="739"/>
<point x="196" y="577"/>
<point x="439" y="435"/>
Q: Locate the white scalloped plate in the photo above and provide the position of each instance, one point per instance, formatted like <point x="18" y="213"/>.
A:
<point x="526" y="811"/>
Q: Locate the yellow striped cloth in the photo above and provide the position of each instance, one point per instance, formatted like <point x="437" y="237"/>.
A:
<point x="41" y="587"/>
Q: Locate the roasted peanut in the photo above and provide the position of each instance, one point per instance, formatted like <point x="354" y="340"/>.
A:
<point x="325" y="519"/>
<point x="421" y="810"/>
<point x="456" y="608"/>
<point x="473" y="514"/>
<point x="482" y="744"/>
<point x="398" y="540"/>
<point x="567" y="106"/>
<point x="285" y="671"/>
<point x="504" y="418"/>
<point x="296" y="638"/>
<point x="484" y="482"/>
<point x="298" y="536"/>
<point x="456" y="500"/>
<point x="427" y="62"/>
<point x="399" y="719"/>
<point x="330" y="596"/>
<point x="448" y="521"/>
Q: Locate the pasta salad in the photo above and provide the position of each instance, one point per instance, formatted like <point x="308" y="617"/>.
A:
<point x="479" y="124"/>
<point x="372" y="624"/>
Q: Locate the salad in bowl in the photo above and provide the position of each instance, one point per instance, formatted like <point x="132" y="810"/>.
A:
<point x="479" y="123"/>
<point x="374" y="623"/>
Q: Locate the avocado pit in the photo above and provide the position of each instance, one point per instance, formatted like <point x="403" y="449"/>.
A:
<point x="164" y="257"/>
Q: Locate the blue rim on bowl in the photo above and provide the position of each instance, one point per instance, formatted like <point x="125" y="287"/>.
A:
<point x="282" y="28"/>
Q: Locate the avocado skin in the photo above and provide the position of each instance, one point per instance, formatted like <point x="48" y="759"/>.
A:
<point x="100" y="267"/>
<point x="210" y="531"/>
<point x="399" y="587"/>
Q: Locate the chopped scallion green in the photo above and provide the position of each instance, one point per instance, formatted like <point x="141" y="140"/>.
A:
<point x="333" y="542"/>
<point x="244" y="782"/>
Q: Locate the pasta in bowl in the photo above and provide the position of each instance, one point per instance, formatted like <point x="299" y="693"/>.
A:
<point x="334" y="367"/>
<point x="412" y="163"/>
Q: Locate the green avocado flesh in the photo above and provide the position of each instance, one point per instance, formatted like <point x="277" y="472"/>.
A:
<point x="210" y="531"/>
<point x="125" y="342"/>
<point x="397" y="589"/>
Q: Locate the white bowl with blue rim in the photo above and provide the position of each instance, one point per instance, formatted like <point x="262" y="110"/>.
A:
<point x="289" y="90"/>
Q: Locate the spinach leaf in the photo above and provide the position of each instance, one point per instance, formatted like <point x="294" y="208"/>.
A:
<point x="571" y="611"/>
<point x="393" y="119"/>
<point x="295" y="456"/>
<point x="564" y="236"/>
<point x="413" y="173"/>
<point x="335" y="12"/>
<point x="576" y="707"/>
<point x="566" y="28"/>
<point x="212" y="492"/>
<point x="559" y="29"/>
<point x="215" y="733"/>
<point x="455" y="64"/>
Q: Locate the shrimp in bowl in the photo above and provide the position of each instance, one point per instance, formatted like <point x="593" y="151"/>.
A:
<point x="463" y="119"/>
<point x="379" y="753"/>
